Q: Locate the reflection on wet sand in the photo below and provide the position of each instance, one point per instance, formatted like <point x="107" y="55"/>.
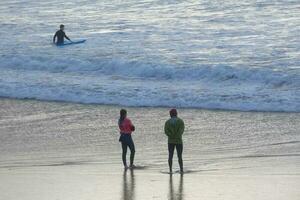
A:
<point x="128" y="185"/>
<point x="176" y="195"/>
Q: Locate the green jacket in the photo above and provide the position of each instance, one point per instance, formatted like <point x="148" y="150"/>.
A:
<point x="174" y="129"/>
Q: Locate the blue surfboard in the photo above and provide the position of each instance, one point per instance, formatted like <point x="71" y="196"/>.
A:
<point x="73" y="42"/>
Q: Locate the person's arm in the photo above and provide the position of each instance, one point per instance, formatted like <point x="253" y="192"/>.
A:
<point x="127" y="125"/>
<point x="167" y="132"/>
<point x="181" y="128"/>
<point x="68" y="38"/>
<point x="55" y="35"/>
<point x="132" y="127"/>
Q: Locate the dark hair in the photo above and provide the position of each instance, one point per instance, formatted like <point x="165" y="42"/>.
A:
<point x="123" y="114"/>
<point x="61" y="26"/>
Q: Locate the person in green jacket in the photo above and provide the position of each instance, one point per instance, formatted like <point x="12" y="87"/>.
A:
<point x="174" y="128"/>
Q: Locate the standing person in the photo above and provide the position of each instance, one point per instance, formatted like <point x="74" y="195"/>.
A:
<point x="126" y="128"/>
<point x="60" y="35"/>
<point x="174" y="128"/>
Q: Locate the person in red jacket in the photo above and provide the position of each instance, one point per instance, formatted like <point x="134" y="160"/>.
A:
<point x="126" y="128"/>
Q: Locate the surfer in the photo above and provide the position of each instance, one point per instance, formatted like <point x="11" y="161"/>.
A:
<point x="174" y="128"/>
<point x="60" y="34"/>
<point x="126" y="128"/>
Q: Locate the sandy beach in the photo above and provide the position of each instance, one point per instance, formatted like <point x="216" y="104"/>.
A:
<point x="61" y="151"/>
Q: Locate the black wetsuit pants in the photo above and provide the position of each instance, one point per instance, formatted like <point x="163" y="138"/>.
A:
<point x="179" y="149"/>
<point x="127" y="141"/>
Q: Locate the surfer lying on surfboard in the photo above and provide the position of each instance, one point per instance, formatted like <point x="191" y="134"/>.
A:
<point x="60" y="35"/>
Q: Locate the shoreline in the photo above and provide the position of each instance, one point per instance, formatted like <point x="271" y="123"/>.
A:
<point x="66" y="123"/>
<point x="150" y="107"/>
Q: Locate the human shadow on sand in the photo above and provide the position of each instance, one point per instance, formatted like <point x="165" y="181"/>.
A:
<point x="176" y="194"/>
<point x="128" y="192"/>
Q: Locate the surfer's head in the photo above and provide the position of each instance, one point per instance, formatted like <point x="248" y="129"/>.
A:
<point x="62" y="27"/>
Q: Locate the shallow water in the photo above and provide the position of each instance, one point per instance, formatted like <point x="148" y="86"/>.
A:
<point x="241" y="55"/>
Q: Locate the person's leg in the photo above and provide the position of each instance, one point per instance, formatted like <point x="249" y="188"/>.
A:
<point x="179" y="149"/>
<point x="171" y="148"/>
<point x="132" y="151"/>
<point x="124" y="152"/>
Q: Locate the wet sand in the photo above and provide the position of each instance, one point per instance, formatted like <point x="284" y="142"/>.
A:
<point x="52" y="150"/>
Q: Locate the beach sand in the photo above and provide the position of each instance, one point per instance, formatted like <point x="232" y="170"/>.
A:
<point x="66" y="151"/>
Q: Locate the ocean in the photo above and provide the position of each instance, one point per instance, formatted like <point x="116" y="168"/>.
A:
<point x="234" y="55"/>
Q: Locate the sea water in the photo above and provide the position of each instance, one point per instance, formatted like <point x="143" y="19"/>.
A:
<point x="235" y="54"/>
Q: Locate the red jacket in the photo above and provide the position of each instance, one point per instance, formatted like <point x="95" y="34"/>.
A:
<point x="126" y="127"/>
